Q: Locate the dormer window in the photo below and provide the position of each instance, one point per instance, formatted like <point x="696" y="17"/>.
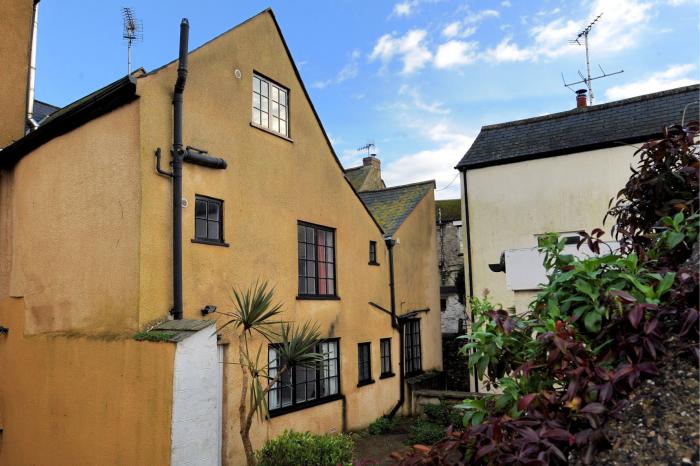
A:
<point x="270" y="106"/>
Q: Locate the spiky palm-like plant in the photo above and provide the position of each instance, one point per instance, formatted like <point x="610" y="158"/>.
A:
<point x="255" y="314"/>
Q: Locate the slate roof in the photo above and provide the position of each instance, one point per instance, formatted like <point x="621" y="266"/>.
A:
<point x="42" y="110"/>
<point x="365" y="178"/>
<point x="627" y="121"/>
<point x="391" y="206"/>
<point x="448" y="210"/>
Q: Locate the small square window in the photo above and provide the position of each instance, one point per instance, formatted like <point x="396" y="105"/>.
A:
<point x="208" y="220"/>
<point x="270" y="106"/>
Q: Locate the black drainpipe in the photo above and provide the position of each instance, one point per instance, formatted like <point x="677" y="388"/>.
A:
<point x="395" y="323"/>
<point x="469" y="260"/>
<point x="178" y="153"/>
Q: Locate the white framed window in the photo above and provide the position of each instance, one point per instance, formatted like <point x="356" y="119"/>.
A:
<point x="270" y="106"/>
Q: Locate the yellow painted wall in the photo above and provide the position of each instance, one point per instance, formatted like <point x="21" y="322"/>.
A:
<point x="269" y="185"/>
<point x="417" y="279"/>
<point x="74" y="400"/>
<point x="72" y="248"/>
<point x="510" y="204"/>
<point x="14" y="49"/>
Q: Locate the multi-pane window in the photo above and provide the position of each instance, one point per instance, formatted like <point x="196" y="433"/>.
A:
<point x="385" y="355"/>
<point x="364" y="363"/>
<point x="316" y="260"/>
<point x="299" y="384"/>
<point x="208" y="219"/>
<point x="270" y="106"/>
<point x="372" y="252"/>
<point x="412" y="348"/>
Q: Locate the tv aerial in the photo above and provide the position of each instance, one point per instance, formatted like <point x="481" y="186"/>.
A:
<point x="368" y="147"/>
<point x="132" y="32"/>
<point x="583" y="36"/>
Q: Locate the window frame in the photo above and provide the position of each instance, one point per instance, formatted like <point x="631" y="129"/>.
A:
<point x="316" y="295"/>
<point x="296" y="406"/>
<point x="205" y="240"/>
<point x="385" y="357"/>
<point x="268" y="128"/>
<point x="373" y="253"/>
<point x="413" y="360"/>
<point x="364" y="349"/>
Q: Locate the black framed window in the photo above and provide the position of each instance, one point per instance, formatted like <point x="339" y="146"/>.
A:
<point x="373" y="253"/>
<point x="364" y="364"/>
<point x="412" y="348"/>
<point x="385" y="357"/>
<point x="304" y="386"/>
<point x="208" y="220"/>
<point x="316" y="248"/>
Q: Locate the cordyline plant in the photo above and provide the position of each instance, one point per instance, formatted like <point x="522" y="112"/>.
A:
<point x="595" y="329"/>
<point x="255" y="315"/>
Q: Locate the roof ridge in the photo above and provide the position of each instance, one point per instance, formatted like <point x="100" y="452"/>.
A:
<point x="594" y="108"/>
<point x="401" y="186"/>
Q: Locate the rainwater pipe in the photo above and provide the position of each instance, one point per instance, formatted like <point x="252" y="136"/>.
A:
<point x="395" y="323"/>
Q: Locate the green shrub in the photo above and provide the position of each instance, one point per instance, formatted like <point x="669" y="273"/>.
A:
<point x="381" y="425"/>
<point x="443" y="414"/>
<point x="296" y="448"/>
<point x="426" y="432"/>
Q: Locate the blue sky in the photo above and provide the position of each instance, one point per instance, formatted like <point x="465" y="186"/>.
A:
<point x="416" y="77"/>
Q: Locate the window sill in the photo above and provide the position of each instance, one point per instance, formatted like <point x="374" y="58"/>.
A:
<point x="210" y="243"/>
<point x="372" y="263"/>
<point x="269" y="131"/>
<point x="307" y="404"/>
<point x="313" y="297"/>
<point x="365" y="382"/>
<point x="387" y="375"/>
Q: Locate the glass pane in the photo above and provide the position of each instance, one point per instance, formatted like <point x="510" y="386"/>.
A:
<point x="213" y="230"/>
<point x="302" y="268"/>
<point x="311" y="285"/>
<point x="274" y="94"/>
<point x="302" y="250"/>
<point x="272" y="361"/>
<point x="310" y="251"/>
<point x="283" y="112"/>
<point x="333" y="388"/>
<point x="264" y="104"/>
<point x="332" y="349"/>
<point x="329" y="254"/>
<point x="200" y="228"/>
<point x="263" y="120"/>
<point x="333" y="368"/>
<point x="301" y="393"/>
<point x="275" y="126"/>
<point x="310" y="235"/>
<point x="301" y="233"/>
<point x="256" y="84"/>
<point x="310" y="268"/>
<point x="263" y="88"/>
<point x="321" y="238"/>
<point x="331" y="287"/>
<point x="322" y="257"/>
<point x="274" y="109"/>
<point x="322" y="286"/>
<point x="302" y="285"/>
<point x="286" y="396"/>
<point x="213" y="213"/>
<point x="200" y="209"/>
<point x="329" y="238"/>
<point x="283" y="128"/>
<point x="311" y="390"/>
<point x="256" y="116"/>
<point x="283" y="97"/>
<point x="256" y="100"/>
<point x="329" y="270"/>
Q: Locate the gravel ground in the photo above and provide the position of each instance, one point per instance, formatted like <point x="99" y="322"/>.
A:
<point x="661" y="422"/>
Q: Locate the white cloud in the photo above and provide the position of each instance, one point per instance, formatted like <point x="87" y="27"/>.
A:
<point x="418" y="102"/>
<point x="451" y="29"/>
<point x="673" y="76"/>
<point x="404" y="8"/>
<point x="410" y="48"/>
<point x="456" y="53"/>
<point x="506" y="4"/>
<point x="479" y="16"/>
<point x="436" y="163"/>
<point x="507" y="51"/>
<point x="349" y="71"/>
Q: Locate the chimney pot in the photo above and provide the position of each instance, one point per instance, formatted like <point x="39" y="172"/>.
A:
<point x="371" y="161"/>
<point x="581" y="98"/>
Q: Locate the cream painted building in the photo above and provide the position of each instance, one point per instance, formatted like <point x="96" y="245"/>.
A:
<point x="552" y="173"/>
<point x="88" y="211"/>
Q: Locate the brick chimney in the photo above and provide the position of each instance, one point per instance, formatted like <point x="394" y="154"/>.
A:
<point x="371" y="161"/>
<point x="581" y="98"/>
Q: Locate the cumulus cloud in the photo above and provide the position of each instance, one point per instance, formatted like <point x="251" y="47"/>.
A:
<point x="410" y="48"/>
<point x="456" y="53"/>
<point x="479" y="16"/>
<point x="507" y="51"/>
<point x="673" y="76"/>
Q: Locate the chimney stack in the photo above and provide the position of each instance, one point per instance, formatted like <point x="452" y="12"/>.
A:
<point x="371" y="161"/>
<point x="581" y="98"/>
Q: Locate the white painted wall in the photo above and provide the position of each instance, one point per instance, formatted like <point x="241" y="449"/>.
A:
<point x="195" y="423"/>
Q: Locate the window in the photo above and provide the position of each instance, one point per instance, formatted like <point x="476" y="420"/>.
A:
<point x="373" y="253"/>
<point x="385" y="356"/>
<point x="304" y="386"/>
<point x="316" y="261"/>
<point x="443" y="304"/>
<point x="270" y="106"/>
<point x="364" y="364"/>
<point x="208" y="220"/>
<point x="412" y="346"/>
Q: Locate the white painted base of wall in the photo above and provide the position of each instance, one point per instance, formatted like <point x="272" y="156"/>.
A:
<point x="195" y="423"/>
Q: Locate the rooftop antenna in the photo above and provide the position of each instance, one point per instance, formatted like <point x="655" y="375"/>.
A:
<point x="133" y="31"/>
<point x="587" y="79"/>
<point x="368" y="147"/>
